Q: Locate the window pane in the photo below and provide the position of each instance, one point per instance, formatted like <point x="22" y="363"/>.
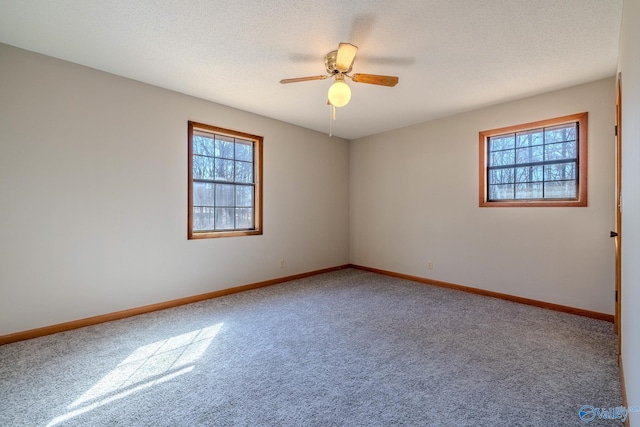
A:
<point x="202" y="145"/>
<point x="529" y="191"/>
<point x="529" y="154"/>
<point x="529" y="138"/>
<point x="501" y="142"/>
<point x="202" y="167"/>
<point x="560" y="133"/>
<point x="244" y="172"/>
<point x="529" y="174"/>
<point x="224" y="195"/>
<point x="502" y="158"/>
<point x="501" y="176"/>
<point x="224" y="146"/>
<point x="560" y="171"/>
<point x="223" y="190"/>
<point x="244" y="218"/>
<point x="203" y="194"/>
<point x="225" y="219"/>
<point x="244" y="150"/>
<point x="224" y="170"/>
<point x="203" y="218"/>
<point x="500" y="192"/>
<point x="560" y="190"/>
<point x="244" y="195"/>
<point x="534" y="162"/>
<point x="559" y="151"/>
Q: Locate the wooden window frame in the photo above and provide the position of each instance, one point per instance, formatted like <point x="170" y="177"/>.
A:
<point x="257" y="174"/>
<point x="580" y="201"/>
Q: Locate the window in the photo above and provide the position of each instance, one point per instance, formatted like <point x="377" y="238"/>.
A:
<point x="535" y="164"/>
<point x="225" y="182"/>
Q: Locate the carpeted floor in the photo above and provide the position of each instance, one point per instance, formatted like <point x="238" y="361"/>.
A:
<point x="348" y="348"/>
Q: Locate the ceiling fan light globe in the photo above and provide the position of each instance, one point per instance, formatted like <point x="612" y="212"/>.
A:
<point x="339" y="94"/>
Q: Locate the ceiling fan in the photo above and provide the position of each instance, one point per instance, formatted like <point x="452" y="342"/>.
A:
<point x="339" y="64"/>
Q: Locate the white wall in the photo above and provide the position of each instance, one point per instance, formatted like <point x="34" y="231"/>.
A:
<point x="414" y="197"/>
<point x="93" y="196"/>
<point x="629" y="65"/>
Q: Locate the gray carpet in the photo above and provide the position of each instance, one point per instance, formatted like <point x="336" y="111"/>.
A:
<point x="348" y="348"/>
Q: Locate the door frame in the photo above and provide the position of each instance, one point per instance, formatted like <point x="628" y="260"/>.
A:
<point x="618" y="216"/>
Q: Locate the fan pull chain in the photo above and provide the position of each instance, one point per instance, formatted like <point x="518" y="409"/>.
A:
<point x="332" y="117"/>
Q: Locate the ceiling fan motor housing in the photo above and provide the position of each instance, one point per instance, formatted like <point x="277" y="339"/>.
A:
<point x="330" y="63"/>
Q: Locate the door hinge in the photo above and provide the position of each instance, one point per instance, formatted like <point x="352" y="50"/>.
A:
<point x="616" y="296"/>
<point x="615" y="130"/>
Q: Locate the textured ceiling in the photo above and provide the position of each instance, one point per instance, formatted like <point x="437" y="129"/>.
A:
<point x="450" y="55"/>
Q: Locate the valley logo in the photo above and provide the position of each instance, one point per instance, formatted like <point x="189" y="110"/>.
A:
<point x="588" y="413"/>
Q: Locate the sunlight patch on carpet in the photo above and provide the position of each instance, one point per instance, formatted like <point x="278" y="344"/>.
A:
<point x="146" y="367"/>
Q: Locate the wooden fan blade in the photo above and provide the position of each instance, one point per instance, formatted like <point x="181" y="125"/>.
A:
<point x="346" y="55"/>
<point x="303" y="79"/>
<point x="375" y="79"/>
